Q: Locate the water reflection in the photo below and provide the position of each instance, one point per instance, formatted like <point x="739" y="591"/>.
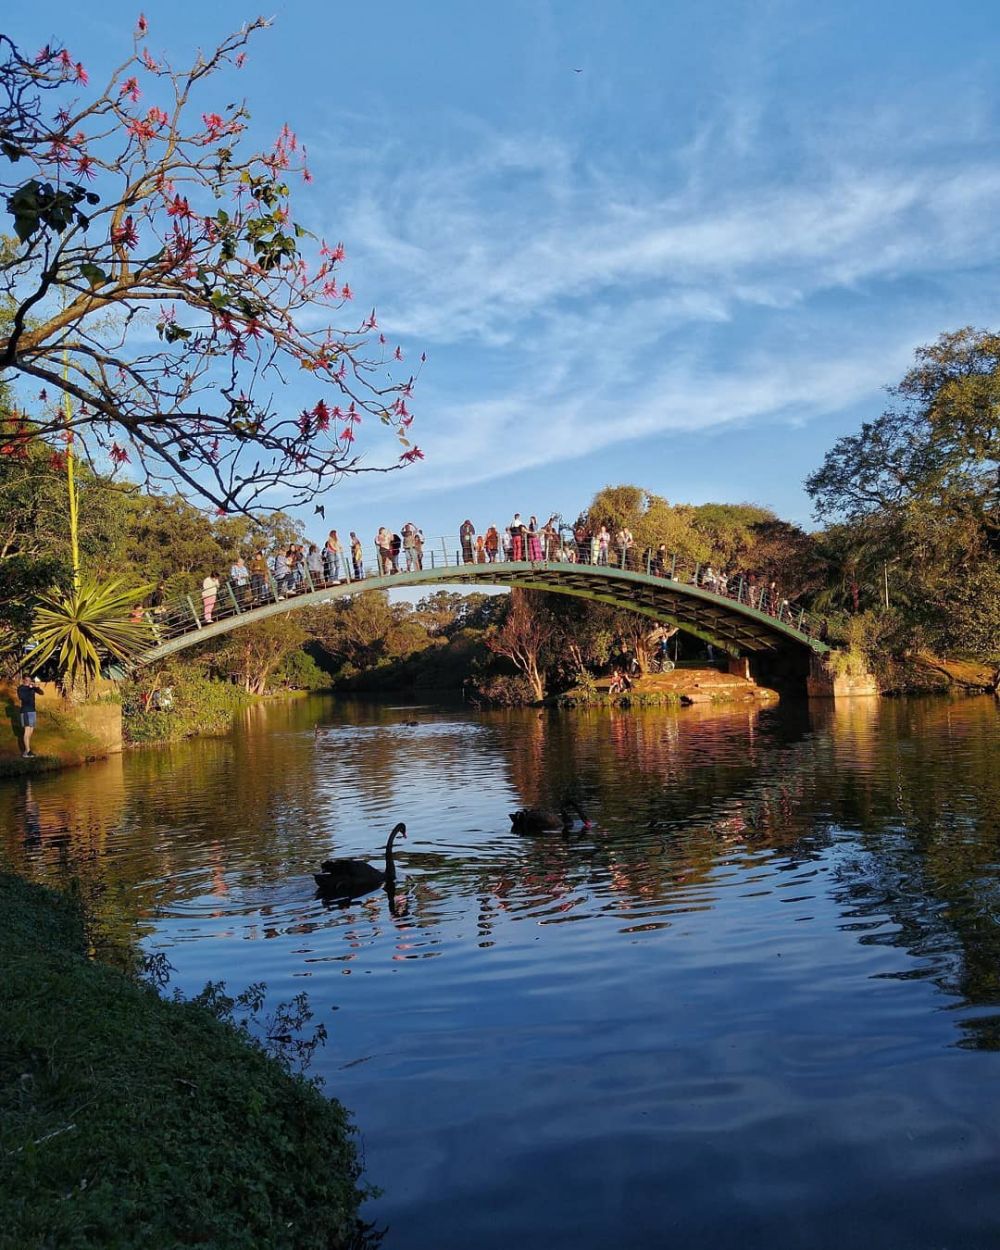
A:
<point x="771" y="894"/>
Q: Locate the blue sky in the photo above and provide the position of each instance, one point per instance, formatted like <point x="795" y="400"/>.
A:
<point x="691" y="265"/>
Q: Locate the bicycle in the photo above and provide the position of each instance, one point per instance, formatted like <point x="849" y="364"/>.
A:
<point x="661" y="664"/>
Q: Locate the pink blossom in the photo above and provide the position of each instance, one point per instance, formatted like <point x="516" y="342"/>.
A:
<point x="141" y="25"/>
<point x="413" y="454"/>
<point x="179" y="207"/>
<point x="119" y="454"/>
<point x="126" y="234"/>
<point x="214" y="124"/>
<point x="142" y="130"/>
<point x="130" y="87"/>
<point x="346" y="292"/>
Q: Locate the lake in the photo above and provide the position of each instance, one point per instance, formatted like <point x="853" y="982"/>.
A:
<point x="757" y="1004"/>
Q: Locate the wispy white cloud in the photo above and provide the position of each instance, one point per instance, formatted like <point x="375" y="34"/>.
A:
<point x="569" y="306"/>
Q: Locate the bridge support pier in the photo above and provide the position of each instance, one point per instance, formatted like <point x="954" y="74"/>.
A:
<point x="828" y="680"/>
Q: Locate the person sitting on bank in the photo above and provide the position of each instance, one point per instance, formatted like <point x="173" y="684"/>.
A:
<point x="27" y="689"/>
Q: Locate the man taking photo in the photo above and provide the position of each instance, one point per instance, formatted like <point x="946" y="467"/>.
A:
<point x="26" y="692"/>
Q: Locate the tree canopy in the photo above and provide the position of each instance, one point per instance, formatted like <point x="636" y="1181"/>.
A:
<point x="916" y="495"/>
<point x="159" y="279"/>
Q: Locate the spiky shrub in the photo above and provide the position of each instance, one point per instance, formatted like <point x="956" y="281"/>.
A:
<point x="84" y="627"/>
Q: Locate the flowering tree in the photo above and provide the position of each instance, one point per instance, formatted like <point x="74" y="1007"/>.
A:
<point x="160" y="282"/>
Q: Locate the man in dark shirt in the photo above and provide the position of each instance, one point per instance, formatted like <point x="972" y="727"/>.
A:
<point x="26" y="692"/>
<point x="516" y="528"/>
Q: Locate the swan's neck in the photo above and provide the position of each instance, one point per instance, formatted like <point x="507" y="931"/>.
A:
<point x="390" y="863"/>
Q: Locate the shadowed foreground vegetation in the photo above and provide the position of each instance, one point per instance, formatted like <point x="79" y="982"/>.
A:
<point x="131" y="1120"/>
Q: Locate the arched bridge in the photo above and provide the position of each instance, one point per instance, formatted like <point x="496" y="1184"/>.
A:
<point x="733" y="614"/>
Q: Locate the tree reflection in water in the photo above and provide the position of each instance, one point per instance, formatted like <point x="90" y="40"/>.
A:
<point x="895" y="802"/>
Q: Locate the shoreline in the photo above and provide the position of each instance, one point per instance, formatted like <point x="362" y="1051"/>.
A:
<point x="132" y="1119"/>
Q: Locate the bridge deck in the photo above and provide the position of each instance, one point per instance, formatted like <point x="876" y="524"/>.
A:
<point x="728" y="620"/>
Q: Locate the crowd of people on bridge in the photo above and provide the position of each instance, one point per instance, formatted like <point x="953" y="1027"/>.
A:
<point x="299" y="568"/>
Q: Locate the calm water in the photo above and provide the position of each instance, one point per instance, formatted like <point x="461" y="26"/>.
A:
<point x="757" y="1005"/>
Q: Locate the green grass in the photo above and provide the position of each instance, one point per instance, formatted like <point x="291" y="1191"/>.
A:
<point x="130" y="1120"/>
<point x="58" y="742"/>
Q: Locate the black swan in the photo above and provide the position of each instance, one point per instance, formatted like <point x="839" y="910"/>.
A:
<point x="343" y="878"/>
<point x="538" y="820"/>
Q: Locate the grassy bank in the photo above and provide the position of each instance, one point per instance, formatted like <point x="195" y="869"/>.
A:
<point x="59" y="741"/>
<point x="131" y="1120"/>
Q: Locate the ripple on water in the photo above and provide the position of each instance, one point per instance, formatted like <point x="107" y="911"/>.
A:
<point x="750" y="990"/>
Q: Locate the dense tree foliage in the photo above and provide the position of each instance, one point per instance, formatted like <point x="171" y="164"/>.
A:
<point x="916" y="500"/>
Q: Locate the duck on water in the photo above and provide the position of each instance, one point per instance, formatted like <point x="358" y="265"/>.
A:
<point x="542" y="820"/>
<point x="349" y="878"/>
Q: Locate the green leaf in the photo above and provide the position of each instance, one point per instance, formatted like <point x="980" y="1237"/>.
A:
<point x="88" y="625"/>
<point x="94" y="274"/>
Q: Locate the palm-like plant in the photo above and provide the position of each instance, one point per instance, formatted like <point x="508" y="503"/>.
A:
<point x="83" y="627"/>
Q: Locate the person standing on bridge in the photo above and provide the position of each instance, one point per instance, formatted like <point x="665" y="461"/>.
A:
<point x="410" y="546"/>
<point x="517" y="537"/>
<point x="467" y="536"/>
<point x="279" y="568"/>
<point x="209" y="591"/>
<point x="314" y="563"/>
<point x="383" y="543"/>
<point x="534" y="541"/>
<point x="492" y="544"/>
<point x="335" y="559"/>
<point x="582" y="540"/>
<point x="357" y="557"/>
<point x="603" y="544"/>
<point x="239" y="575"/>
<point x="258" y="576"/>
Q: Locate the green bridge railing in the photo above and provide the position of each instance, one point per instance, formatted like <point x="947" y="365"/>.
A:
<point x="238" y="599"/>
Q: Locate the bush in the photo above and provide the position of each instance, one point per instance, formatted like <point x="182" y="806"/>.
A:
<point x="299" y="671"/>
<point x="502" y="689"/>
<point x="131" y="1120"/>
<point x="199" y="705"/>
